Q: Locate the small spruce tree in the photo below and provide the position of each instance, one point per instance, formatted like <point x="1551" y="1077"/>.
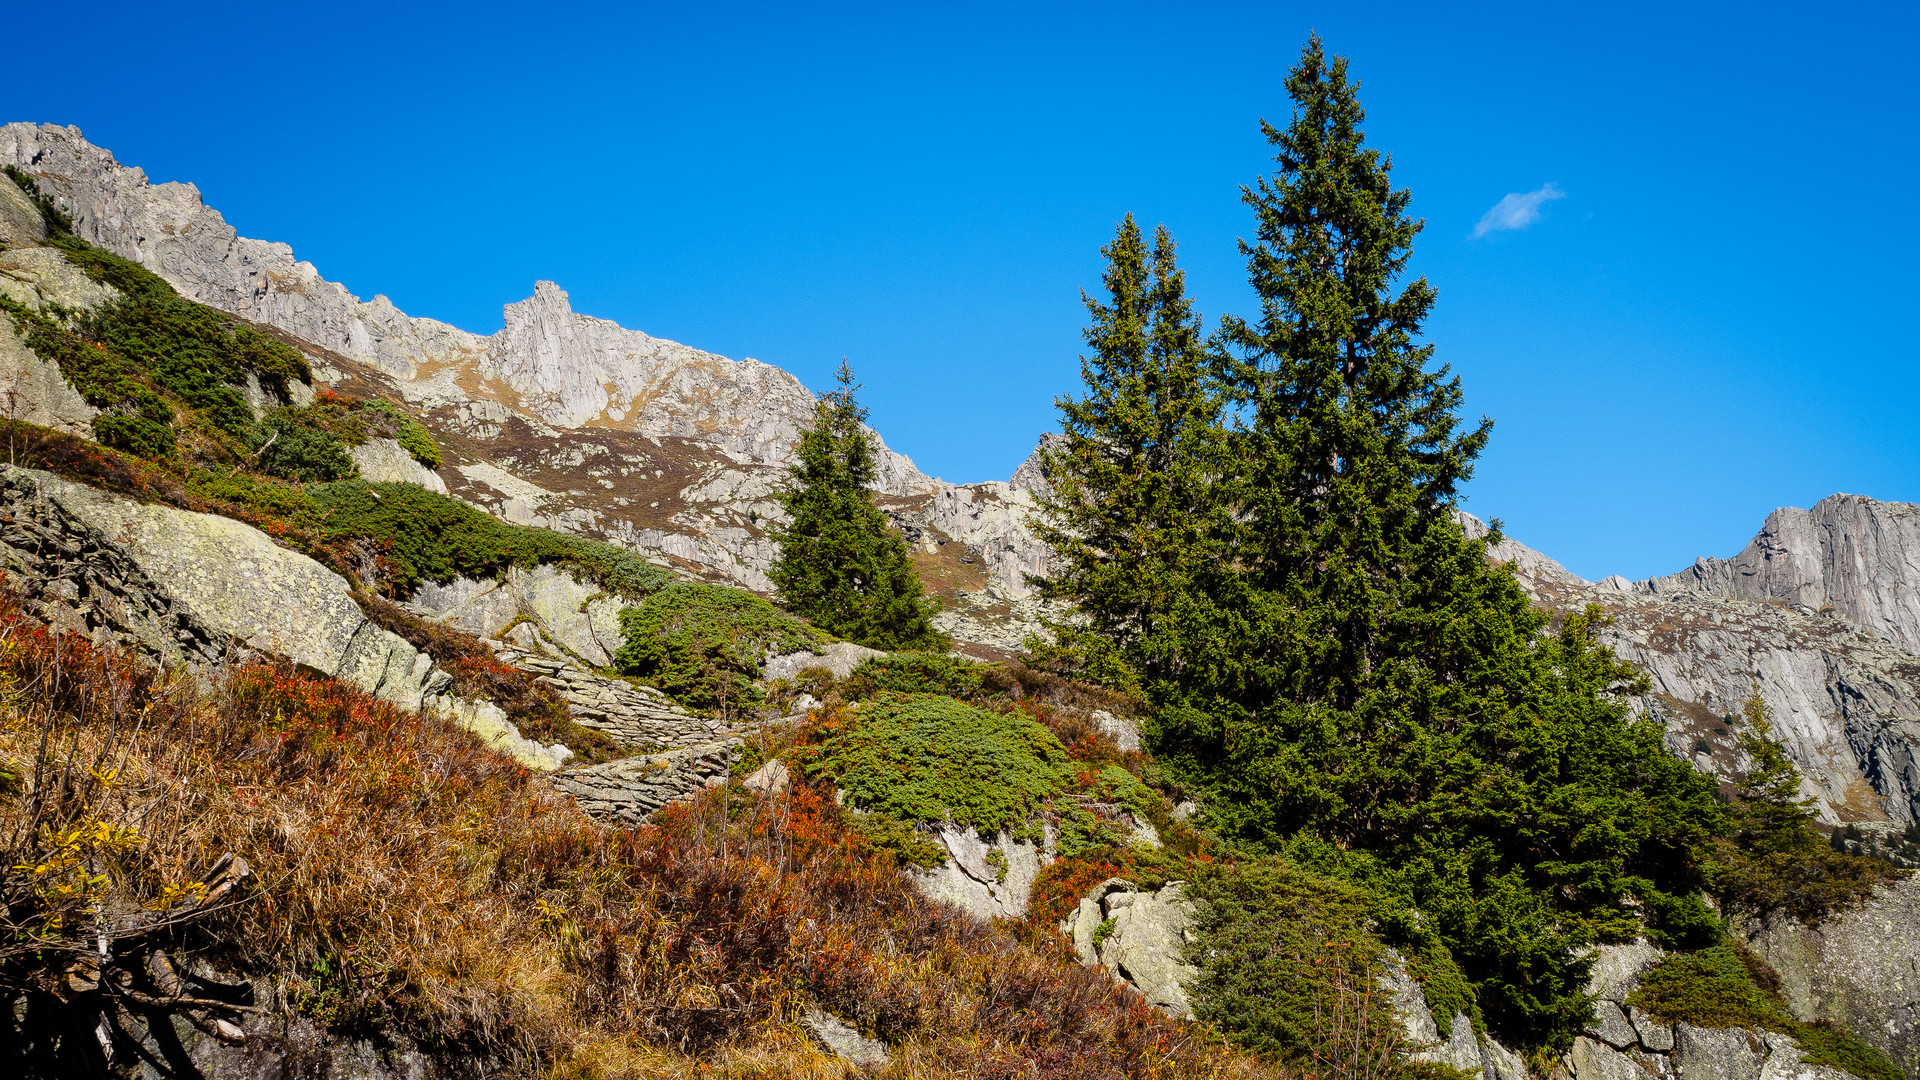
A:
<point x="841" y="563"/>
<point x="1772" y="858"/>
<point x="1128" y="510"/>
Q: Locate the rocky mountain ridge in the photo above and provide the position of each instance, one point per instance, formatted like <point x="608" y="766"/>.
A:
<point x="559" y="419"/>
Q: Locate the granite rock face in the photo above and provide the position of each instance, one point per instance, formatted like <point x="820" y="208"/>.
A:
<point x="1844" y="695"/>
<point x="987" y="877"/>
<point x="839" y="658"/>
<point x="1850" y="553"/>
<point x="20" y="222"/>
<point x="1618" y="1044"/>
<point x="1860" y="969"/>
<point x="382" y="461"/>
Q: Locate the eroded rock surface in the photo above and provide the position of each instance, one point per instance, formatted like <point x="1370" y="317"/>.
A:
<point x="1140" y="936"/>
<point x="1860" y="969"/>
<point x="988" y="877"/>
<point x="631" y="789"/>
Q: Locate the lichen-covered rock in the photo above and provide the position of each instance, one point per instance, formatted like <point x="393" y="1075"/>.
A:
<point x="1141" y="937"/>
<point x="237" y="580"/>
<point x="384" y="461"/>
<point x="840" y="658"/>
<point x="74" y="578"/>
<point x="1860" y="969"/>
<point x="491" y="723"/>
<point x="37" y="277"/>
<point x="572" y="620"/>
<point x="842" y="1039"/>
<point x="186" y="586"/>
<point x="1717" y="1053"/>
<point x="1593" y="1059"/>
<point x="989" y="879"/>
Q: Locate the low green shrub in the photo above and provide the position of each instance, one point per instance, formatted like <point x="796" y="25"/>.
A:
<point x="704" y="644"/>
<point x="1279" y="951"/>
<point x="884" y="832"/>
<point x="915" y="673"/>
<point x="434" y="537"/>
<point x="928" y="758"/>
<point x="353" y="421"/>
<point x="293" y="451"/>
<point x="1712" y="988"/>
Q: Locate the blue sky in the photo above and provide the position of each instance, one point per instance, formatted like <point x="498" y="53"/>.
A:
<point x="1711" y="316"/>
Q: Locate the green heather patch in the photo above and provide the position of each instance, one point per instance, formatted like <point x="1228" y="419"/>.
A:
<point x="293" y="451"/>
<point x="915" y="673"/>
<point x="927" y="758"/>
<point x="353" y="421"/>
<point x="1721" y="987"/>
<point x="704" y="644"/>
<point x="433" y="537"/>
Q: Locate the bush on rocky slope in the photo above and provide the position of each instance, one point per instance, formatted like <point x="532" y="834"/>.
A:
<point x="349" y="421"/>
<point x="930" y="758"/>
<point x="148" y="349"/>
<point x="704" y="644"/>
<point x="426" y="536"/>
<point x="521" y="938"/>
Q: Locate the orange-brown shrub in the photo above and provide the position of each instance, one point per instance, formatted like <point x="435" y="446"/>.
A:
<point x="407" y="879"/>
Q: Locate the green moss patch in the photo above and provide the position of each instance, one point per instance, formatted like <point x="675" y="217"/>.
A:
<point x="927" y="758"/>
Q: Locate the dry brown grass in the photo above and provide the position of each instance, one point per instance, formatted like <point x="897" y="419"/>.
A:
<point x="408" y="881"/>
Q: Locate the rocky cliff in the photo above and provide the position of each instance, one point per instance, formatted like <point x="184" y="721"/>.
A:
<point x="1817" y="615"/>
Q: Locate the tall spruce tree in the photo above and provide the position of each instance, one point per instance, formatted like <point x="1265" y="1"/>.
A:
<point x="1128" y="509"/>
<point x="841" y="563"/>
<point x="1351" y="683"/>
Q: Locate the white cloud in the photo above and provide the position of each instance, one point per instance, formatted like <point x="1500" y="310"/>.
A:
<point x="1516" y="211"/>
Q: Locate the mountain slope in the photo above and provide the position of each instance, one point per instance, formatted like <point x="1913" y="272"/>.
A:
<point x="560" y="419"/>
